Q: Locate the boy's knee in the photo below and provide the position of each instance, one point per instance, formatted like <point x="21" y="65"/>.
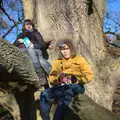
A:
<point x="78" y="88"/>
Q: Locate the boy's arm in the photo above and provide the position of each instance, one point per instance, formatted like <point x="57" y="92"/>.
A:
<point x="40" y="39"/>
<point x="54" y="74"/>
<point x="86" y="72"/>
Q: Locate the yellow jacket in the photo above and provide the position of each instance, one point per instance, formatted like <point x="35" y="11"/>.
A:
<point x="77" y="66"/>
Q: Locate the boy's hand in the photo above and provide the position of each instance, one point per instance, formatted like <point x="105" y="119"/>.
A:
<point x="50" y="43"/>
<point x="64" y="78"/>
<point x="31" y="45"/>
<point x="20" y="40"/>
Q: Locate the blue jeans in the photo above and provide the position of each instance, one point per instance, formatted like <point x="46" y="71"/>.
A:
<point x="63" y="95"/>
<point x="38" y="60"/>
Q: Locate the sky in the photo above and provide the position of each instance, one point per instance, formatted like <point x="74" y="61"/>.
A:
<point x="13" y="8"/>
<point x="113" y="8"/>
<point x="112" y="5"/>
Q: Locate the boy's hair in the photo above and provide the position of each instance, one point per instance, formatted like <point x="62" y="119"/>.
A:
<point x="27" y="21"/>
<point x="69" y="43"/>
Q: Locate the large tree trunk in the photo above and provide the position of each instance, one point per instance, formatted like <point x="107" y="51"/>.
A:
<point x="81" y="21"/>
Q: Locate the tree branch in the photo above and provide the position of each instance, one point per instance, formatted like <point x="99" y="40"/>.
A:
<point x="3" y="10"/>
<point x="10" y="29"/>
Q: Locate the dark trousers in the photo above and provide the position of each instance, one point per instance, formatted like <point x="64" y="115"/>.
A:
<point x="62" y="95"/>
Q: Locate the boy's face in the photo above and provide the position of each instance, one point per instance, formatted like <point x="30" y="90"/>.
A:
<point x="28" y="27"/>
<point x="65" y="51"/>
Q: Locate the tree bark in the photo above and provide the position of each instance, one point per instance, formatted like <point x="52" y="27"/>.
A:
<point x="28" y="9"/>
<point x="17" y="82"/>
<point x="84" y="108"/>
<point x="81" y="21"/>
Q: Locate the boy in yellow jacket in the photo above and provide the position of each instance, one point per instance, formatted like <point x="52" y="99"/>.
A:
<point x="68" y="76"/>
